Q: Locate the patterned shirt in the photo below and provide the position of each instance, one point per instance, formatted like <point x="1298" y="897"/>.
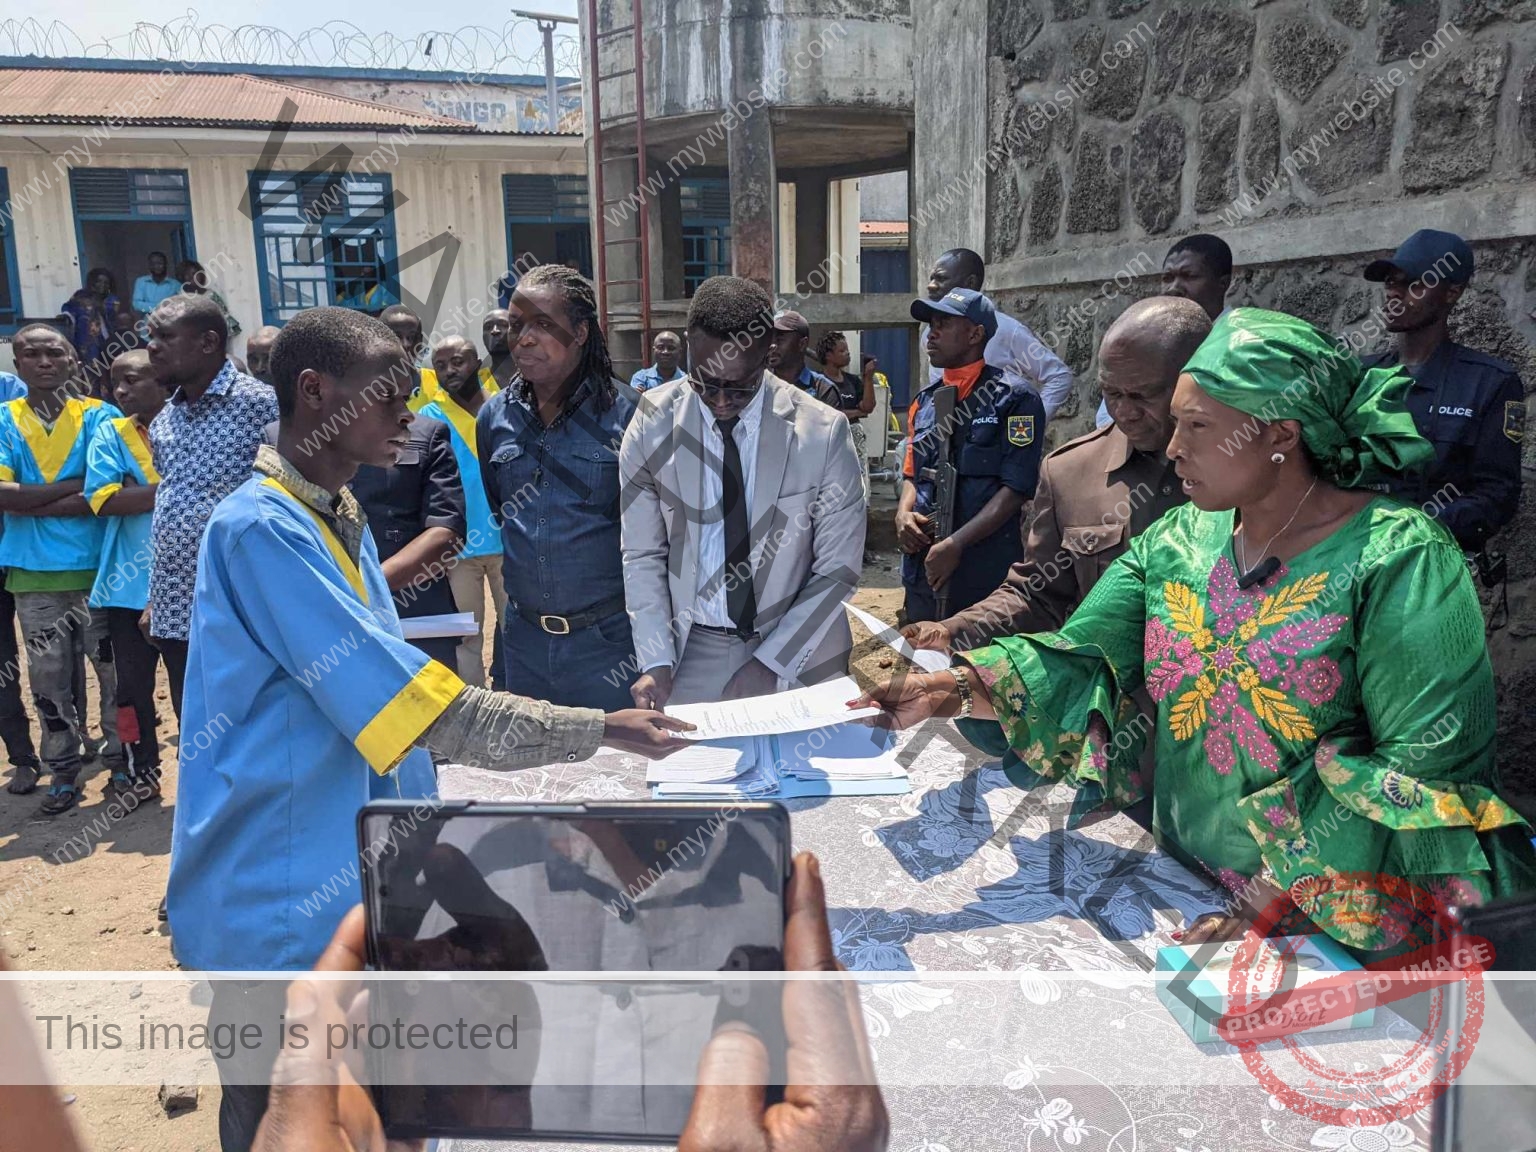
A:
<point x="204" y="450"/>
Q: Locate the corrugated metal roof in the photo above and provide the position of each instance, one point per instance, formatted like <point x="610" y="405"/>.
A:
<point x="175" y="98"/>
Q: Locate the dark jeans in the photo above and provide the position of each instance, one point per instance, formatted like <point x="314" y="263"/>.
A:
<point x="14" y="730"/>
<point x="135" y="658"/>
<point x="498" y="661"/>
<point x="60" y="631"/>
<point x="174" y="653"/>
<point x="982" y="569"/>
<point x="590" y="668"/>
<point x="245" y="1077"/>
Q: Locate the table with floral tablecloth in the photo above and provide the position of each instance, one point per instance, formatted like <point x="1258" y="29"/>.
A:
<point x="1055" y="1038"/>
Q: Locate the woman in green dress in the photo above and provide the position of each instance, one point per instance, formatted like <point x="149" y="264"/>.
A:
<point x="1315" y="652"/>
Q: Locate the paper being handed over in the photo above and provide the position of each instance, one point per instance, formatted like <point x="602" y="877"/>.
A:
<point x="798" y="710"/>
<point x="925" y="658"/>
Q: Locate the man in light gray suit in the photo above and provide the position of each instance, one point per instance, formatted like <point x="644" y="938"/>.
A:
<point x="743" y="518"/>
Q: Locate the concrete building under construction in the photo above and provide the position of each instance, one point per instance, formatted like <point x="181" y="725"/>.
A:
<point x="769" y="112"/>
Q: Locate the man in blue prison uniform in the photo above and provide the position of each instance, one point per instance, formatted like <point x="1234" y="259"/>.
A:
<point x="120" y="485"/>
<point x="15" y="728"/>
<point x="302" y="700"/>
<point x="460" y="394"/>
<point x="50" y="549"/>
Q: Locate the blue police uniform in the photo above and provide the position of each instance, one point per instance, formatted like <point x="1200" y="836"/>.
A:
<point x="423" y="490"/>
<point x="555" y="490"/>
<point x="997" y="443"/>
<point x="1471" y="407"/>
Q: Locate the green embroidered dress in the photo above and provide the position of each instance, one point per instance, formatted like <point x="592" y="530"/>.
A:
<point x="1338" y="718"/>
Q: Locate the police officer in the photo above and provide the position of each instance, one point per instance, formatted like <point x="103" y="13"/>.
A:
<point x="786" y="358"/>
<point x="1470" y="406"/>
<point x="995" y="446"/>
<point x="416" y="513"/>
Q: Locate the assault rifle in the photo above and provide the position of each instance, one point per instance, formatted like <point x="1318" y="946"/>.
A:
<point x="941" y="521"/>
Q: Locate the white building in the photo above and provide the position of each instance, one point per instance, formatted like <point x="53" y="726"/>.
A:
<point x="360" y="201"/>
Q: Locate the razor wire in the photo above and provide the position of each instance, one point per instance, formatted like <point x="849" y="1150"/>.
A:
<point x="516" y="47"/>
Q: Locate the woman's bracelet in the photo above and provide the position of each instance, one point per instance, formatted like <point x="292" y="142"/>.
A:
<point x="963" y="686"/>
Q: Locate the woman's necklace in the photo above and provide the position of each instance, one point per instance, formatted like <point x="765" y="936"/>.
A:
<point x="1243" y="545"/>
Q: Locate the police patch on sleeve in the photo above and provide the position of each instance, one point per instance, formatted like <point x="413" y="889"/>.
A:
<point x="1021" y="431"/>
<point x="1514" y="420"/>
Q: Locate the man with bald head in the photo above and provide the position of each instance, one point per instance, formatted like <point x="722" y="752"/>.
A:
<point x="1095" y="492"/>
<point x="667" y="354"/>
<point x="258" y="353"/>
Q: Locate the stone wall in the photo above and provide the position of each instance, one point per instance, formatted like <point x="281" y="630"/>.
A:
<point x="1120" y="125"/>
<point x="1311" y="135"/>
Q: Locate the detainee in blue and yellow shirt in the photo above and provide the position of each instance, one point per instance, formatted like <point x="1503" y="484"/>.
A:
<point x="431" y="391"/>
<point x="49" y="553"/>
<point x="119" y="457"/>
<point x="455" y="357"/>
<point x="303" y="702"/>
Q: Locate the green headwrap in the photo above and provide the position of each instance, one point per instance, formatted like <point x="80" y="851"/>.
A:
<point x="1276" y="367"/>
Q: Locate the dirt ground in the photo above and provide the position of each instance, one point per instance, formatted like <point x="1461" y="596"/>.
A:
<point x="96" y="911"/>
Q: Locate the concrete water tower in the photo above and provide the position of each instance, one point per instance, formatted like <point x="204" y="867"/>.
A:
<point x="754" y="118"/>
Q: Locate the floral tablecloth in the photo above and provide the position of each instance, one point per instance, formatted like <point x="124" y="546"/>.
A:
<point x="1057" y="1042"/>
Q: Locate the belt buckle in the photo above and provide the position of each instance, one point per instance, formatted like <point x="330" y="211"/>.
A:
<point x="548" y="624"/>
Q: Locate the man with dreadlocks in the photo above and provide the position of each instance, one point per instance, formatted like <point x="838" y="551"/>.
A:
<point x="548" y="448"/>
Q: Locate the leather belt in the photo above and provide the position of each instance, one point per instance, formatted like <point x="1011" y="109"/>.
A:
<point x="736" y="633"/>
<point x="565" y="625"/>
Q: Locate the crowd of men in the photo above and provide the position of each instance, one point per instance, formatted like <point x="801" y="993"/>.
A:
<point x="689" y="536"/>
<point x="512" y="500"/>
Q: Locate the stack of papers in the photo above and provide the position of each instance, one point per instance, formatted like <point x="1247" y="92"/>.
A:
<point x="799" y="710"/>
<point x="448" y="624"/>
<point x="792" y="744"/>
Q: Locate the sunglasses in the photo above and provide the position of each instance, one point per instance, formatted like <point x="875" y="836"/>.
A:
<point x="708" y="391"/>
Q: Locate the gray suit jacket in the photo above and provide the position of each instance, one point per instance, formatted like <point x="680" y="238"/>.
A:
<point x="808" y="520"/>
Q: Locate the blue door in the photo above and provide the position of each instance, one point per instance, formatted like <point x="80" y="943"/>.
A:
<point x="887" y="270"/>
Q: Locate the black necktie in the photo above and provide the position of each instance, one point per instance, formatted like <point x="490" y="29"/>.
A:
<point x="740" y="599"/>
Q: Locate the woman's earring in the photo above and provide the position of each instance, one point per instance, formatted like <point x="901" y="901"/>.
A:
<point x="1278" y="457"/>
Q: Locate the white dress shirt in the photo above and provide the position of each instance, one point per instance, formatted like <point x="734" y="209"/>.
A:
<point x="1023" y="356"/>
<point x="711" y="608"/>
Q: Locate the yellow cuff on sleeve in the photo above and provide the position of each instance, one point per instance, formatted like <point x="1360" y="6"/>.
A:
<point x="6" y="474"/>
<point x="99" y="497"/>
<point x="386" y="738"/>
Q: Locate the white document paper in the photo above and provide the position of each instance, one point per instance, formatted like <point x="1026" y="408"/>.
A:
<point x="706" y="762"/>
<point x="925" y="658"/>
<point x="798" y="710"/>
<point x="431" y="627"/>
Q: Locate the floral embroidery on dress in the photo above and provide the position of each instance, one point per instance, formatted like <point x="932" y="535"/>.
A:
<point x="1235" y="674"/>
<point x="1389" y="796"/>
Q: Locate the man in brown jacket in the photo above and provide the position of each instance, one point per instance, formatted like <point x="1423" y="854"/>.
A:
<point x="1097" y="491"/>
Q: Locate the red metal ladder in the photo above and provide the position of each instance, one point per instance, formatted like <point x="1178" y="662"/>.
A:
<point x="627" y="151"/>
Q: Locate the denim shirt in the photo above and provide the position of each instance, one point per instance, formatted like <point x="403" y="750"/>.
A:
<point x="556" y="493"/>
